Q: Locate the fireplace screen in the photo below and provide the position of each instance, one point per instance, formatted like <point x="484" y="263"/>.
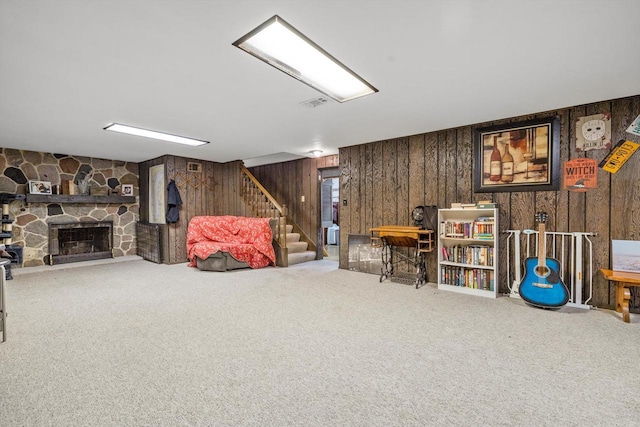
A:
<point x="362" y="256"/>
<point x="80" y="241"/>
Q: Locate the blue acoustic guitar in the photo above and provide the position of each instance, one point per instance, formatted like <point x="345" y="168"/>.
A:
<point x="542" y="285"/>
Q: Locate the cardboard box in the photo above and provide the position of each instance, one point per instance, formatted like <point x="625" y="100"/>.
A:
<point x="68" y="187"/>
<point x="98" y="191"/>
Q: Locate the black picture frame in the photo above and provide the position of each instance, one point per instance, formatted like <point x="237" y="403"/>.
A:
<point x="535" y="148"/>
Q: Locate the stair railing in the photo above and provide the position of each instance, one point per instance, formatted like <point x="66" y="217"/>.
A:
<point x="264" y="205"/>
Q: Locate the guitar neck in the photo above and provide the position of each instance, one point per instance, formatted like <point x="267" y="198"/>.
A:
<point x="542" y="244"/>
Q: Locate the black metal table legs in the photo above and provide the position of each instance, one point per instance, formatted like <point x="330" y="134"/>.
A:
<point x="391" y="257"/>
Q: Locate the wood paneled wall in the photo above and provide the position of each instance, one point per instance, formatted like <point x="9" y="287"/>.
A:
<point x="289" y="181"/>
<point x="382" y="182"/>
<point x="217" y="191"/>
<point x="213" y="191"/>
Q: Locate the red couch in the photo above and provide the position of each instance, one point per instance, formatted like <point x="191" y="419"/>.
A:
<point x="247" y="240"/>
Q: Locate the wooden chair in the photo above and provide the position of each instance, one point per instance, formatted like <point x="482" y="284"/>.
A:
<point x="624" y="280"/>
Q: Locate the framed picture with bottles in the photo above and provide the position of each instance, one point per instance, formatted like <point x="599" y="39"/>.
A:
<point x="521" y="156"/>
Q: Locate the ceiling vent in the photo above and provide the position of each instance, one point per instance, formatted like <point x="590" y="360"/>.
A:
<point x="316" y="102"/>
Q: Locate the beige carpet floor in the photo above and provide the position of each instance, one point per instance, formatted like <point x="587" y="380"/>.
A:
<point x="141" y="344"/>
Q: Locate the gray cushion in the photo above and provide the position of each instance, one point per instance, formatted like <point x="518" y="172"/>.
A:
<point x="220" y="261"/>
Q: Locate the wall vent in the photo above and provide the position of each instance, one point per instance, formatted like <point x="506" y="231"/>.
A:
<point x="194" y="167"/>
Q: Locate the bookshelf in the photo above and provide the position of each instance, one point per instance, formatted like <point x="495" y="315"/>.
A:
<point x="468" y="251"/>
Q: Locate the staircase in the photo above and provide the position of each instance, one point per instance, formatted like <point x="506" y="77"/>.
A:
<point x="292" y="246"/>
<point x="297" y="250"/>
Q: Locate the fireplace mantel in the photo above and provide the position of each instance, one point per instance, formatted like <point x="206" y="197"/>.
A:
<point x="65" y="198"/>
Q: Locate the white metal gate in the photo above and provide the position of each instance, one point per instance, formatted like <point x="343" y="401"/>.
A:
<point x="574" y="252"/>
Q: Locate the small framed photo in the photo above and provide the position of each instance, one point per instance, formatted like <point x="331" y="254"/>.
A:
<point x="39" y="187"/>
<point x="127" y="189"/>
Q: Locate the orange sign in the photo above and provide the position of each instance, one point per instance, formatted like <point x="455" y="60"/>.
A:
<point x="580" y="174"/>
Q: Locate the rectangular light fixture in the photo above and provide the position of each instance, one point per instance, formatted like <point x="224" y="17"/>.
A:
<point x="116" y="127"/>
<point x="280" y="45"/>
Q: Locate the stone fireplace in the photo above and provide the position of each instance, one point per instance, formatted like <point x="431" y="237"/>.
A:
<point x="80" y="241"/>
<point x="31" y="219"/>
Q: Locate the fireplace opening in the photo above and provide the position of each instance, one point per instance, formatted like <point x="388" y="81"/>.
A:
<point x="80" y="241"/>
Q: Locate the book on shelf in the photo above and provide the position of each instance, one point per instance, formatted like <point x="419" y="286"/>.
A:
<point x="468" y="229"/>
<point x="460" y="235"/>
<point x="459" y="229"/>
<point x="473" y="278"/>
<point x="486" y="204"/>
<point x="483" y="228"/>
<point x="463" y="206"/>
<point x="480" y="255"/>
<point x="483" y="236"/>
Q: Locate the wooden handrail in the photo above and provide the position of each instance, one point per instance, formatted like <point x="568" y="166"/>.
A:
<point x="261" y="202"/>
<point x="263" y="190"/>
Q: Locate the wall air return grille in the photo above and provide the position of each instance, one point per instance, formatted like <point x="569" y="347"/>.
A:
<point x="194" y="167"/>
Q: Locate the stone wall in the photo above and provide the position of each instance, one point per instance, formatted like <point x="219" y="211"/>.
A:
<point x="30" y="228"/>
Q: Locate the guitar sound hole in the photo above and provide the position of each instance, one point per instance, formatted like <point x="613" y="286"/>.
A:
<point x="542" y="271"/>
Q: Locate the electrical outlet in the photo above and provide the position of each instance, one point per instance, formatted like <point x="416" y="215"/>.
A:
<point x="302" y="199"/>
<point x="344" y="202"/>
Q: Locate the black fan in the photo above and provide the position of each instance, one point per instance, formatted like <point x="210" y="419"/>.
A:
<point x="425" y="217"/>
<point x="417" y="215"/>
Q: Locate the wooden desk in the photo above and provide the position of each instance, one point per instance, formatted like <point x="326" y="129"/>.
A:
<point x="390" y="236"/>
<point x="624" y="280"/>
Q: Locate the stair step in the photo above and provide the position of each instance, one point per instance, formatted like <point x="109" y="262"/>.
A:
<point x="297" y="247"/>
<point x="300" y="257"/>
<point x="288" y="233"/>
<point x="293" y="237"/>
<point x="288" y="228"/>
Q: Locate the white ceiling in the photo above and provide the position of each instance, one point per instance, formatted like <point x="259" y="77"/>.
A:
<point x="68" y="68"/>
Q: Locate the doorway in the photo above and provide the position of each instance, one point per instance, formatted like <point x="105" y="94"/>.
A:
<point x="330" y="212"/>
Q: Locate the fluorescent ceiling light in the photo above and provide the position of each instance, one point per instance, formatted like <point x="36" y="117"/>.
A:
<point x="116" y="127"/>
<point x="279" y="44"/>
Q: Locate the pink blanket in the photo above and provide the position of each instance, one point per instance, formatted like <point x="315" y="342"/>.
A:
<point x="246" y="239"/>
